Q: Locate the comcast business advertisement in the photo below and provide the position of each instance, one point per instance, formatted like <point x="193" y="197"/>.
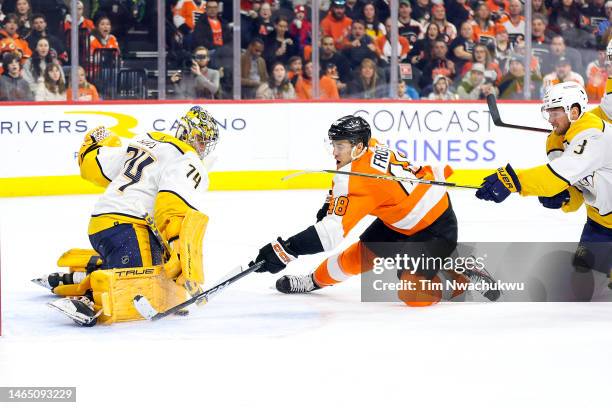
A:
<point x="275" y="137"/>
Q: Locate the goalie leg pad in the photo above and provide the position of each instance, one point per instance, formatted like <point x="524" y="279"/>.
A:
<point x="80" y="260"/>
<point x="114" y="291"/>
<point x="191" y="239"/>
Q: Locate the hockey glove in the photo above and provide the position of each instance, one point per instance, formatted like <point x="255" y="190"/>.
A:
<point x="498" y="186"/>
<point x="556" y="201"/>
<point x="276" y="256"/>
<point x="323" y="211"/>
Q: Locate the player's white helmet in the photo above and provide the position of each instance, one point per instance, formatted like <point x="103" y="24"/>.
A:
<point x="565" y="95"/>
<point x="198" y="129"/>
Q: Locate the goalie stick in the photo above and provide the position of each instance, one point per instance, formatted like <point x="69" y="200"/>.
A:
<point x="494" y="111"/>
<point x="143" y="306"/>
<point x="382" y="177"/>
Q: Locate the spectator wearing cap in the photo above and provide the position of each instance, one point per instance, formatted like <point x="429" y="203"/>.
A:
<point x="329" y="55"/>
<point x="462" y="46"/>
<point x="512" y="83"/>
<point x="39" y="30"/>
<point x="422" y="11"/>
<point x="210" y="30"/>
<point x="336" y="24"/>
<point x="84" y="22"/>
<point x="358" y="45"/>
<point x="278" y="85"/>
<point x="514" y="21"/>
<point x="562" y="73"/>
<point x="474" y="85"/>
<point x="327" y="85"/>
<point x="12" y="86"/>
<point x="252" y="68"/>
<point x="559" y="50"/>
<point x="438" y="16"/>
<point x="441" y="90"/>
<point x="10" y="40"/>
<point x="300" y="28"/>
<point x="439" y="64"/>
<point x="280" y="46"/>
<point x="383" y="43"/>
<point x="373" y="27"/>
<point x="481" y="54"/>
<point x="367" y="84"/>
<point x="485" y="29"/>
<point x="408" y="27"/>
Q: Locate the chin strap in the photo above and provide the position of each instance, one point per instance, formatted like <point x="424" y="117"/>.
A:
<point x="356" y="156"/>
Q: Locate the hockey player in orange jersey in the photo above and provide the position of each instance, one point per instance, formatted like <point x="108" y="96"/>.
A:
<point x="407" y="212"/>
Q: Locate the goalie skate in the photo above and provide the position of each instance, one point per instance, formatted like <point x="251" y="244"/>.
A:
<point x="79" y="309"/>
<point x="54" y="280"/>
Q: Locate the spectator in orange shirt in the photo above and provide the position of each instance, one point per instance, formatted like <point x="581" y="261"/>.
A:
<point x="597" y="74"/>
<point x="210" y="30"/>
<point x="10" y="40"/>
<point x="84" y="22"/>
<point x="336" y="23"/>
<point x="186" y="13"/>
<point x="101" y="37"/>
<point x="484" y="28"/>
<point x="499" y="7"/>
<point x="87" y="92"/>
<point x="327" y="86"/>
<point x="514" y="21"/>
<point x="383" y="43"/>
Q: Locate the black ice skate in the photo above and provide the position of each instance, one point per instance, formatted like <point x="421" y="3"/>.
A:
<point x="54" y="280"/>
<point x="480" y="276"/>
<point x="79" y="309"/>
<point x="296" y="284"/>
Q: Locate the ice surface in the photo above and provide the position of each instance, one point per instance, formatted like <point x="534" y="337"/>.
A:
<point x="254" y="347"/>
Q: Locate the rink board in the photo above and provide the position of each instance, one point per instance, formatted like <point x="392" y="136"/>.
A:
<point x="262" y="142"/>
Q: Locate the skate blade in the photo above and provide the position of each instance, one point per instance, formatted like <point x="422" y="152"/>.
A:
<point x="42" y="282"/>
<point x="63" y="305"/>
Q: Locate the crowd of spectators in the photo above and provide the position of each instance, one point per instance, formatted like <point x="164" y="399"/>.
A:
<point x="447" y="49"/>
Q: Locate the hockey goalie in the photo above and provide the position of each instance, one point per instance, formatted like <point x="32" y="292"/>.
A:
<point x="147" y="228"/>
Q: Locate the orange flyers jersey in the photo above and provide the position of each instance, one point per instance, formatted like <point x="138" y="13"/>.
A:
<point x="406" y="207"/>
<point x="187" y="12"/>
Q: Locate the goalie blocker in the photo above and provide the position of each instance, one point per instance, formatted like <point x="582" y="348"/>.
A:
<point x="111" y="292"/>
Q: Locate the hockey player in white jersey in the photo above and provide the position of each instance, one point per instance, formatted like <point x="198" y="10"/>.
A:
<point x="154" y="173"/>
<point x="580" y="171"/>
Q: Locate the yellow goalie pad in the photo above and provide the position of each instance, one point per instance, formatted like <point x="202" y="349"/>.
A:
<point x="114" y="291"/>
<point x="77" y="260"/>
<point x="191" y="236"/>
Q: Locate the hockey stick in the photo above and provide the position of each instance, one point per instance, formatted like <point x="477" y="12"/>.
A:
<point x="494" y="111"/>
<point x="382" y="177"/>
<point x="143" y="306"/>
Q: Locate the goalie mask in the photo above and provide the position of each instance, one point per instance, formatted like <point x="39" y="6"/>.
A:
<point x="198" y="129"/>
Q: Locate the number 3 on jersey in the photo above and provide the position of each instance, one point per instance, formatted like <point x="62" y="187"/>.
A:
<point x="135" y="165"/>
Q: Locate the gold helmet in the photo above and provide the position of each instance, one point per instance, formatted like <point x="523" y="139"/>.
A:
<point x="199" y="130"/>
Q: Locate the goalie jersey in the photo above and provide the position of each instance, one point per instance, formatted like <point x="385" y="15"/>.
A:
<point x="156" y="172"/>
<point x="406" y="207"/>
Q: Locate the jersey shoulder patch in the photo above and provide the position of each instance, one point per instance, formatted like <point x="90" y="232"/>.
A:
<point x="381" y="156"/>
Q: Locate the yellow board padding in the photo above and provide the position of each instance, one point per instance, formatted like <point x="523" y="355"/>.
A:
<point x="219" y="181"/>
<point x="114" y="291"/>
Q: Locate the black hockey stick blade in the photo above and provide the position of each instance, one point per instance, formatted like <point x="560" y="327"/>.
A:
<point x="497" y="120"/>
<point x="146" y="310"/>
